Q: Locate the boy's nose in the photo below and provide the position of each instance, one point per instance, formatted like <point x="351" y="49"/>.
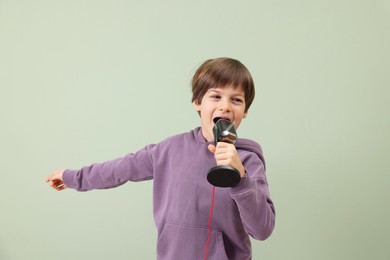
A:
<point x="224" y="106"/>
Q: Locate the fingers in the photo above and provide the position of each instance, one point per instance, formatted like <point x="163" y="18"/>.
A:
<point x="55" y="180"/>
<point x="211" y="148"/>
<point x="221" y="146"/>
<point x="224" y="153"/>
<point x="58" y="185"/>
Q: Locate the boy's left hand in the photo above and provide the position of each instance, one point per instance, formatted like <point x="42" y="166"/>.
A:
<point x="56" y="181"/>
<point x="226" y="154"/>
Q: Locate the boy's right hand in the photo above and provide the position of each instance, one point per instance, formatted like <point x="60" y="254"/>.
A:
<point x="55" y="180"/>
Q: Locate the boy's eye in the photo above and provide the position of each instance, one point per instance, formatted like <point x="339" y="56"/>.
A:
<point x="215" y="96"/>
<point x="237" y="100"/>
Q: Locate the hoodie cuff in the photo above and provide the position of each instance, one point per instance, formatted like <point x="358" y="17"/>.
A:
<point x="246" y="184"/>
<point x="68" y="178"/>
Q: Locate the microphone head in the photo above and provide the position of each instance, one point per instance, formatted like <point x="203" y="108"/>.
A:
<point x="224" y="131"/>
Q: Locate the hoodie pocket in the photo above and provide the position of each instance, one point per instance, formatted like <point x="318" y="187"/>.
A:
<point x="178" y="241"/>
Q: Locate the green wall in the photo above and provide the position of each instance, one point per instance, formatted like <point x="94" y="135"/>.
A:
<point x="88" y="81"/>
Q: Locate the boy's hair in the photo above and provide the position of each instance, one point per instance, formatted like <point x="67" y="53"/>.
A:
<point x="221" y="72"/>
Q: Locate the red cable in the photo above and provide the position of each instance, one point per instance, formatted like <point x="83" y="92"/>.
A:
<point x="209" y="224"/>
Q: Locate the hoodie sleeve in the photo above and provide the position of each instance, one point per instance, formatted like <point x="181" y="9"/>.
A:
<point x="132" y="167"/>
<point x="252" y="196"/>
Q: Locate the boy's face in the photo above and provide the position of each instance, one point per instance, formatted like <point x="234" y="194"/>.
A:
<point x="223" y="102"/>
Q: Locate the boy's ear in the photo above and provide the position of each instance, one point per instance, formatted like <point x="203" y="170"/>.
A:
<point x="245" y="114"/>
<point x="196" y="105"/>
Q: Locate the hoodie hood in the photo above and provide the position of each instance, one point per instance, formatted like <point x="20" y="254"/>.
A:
<point x="251" y="146"/>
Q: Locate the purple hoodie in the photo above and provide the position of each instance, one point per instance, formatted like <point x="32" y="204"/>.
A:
<point x="182" y="196"/>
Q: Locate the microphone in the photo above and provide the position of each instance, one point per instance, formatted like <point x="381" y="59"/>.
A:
<point x="224" y="175"/>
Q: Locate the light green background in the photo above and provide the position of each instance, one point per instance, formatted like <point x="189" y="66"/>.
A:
<point x="88" y="81"/>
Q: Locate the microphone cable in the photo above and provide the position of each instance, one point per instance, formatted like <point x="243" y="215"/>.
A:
<point x="206" y="248"/>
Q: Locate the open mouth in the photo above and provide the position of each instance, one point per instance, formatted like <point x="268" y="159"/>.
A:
<point x="216" y="119"/>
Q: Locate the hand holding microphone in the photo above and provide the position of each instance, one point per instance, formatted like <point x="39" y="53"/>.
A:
<point x="229" y="166"/>
<point x="226" y="154"/>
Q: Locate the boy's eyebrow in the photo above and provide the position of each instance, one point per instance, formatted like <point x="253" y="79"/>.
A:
<point x="239" y="94"/>
<point x="235" y="93"/>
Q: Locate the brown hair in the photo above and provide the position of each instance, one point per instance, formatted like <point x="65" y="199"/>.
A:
<point x="221" y="72"/>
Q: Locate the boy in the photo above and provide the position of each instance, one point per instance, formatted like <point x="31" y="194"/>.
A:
<point x="222" y="88"/>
